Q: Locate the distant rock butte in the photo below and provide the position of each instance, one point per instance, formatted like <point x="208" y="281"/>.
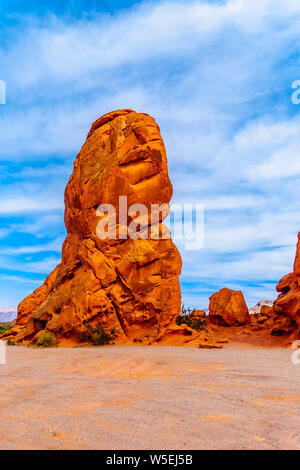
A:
<point x="130" y="285"/>
<point x="228" y="307"/>
<point x="257" y="308"/>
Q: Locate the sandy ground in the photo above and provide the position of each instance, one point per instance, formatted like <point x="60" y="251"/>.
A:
<point x="134" y="397"/>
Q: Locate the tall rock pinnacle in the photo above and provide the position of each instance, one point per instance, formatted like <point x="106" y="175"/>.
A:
<point x="128" y="284"/>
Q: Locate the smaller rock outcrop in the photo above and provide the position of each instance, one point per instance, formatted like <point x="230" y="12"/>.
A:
<point x="228" y="307"/>
<point x="283" y="318"/>
<point x="266" y="309"/>
<point x="198" y="314"/>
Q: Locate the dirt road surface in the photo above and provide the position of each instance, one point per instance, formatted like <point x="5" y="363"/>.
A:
<point x="134" y="397"/>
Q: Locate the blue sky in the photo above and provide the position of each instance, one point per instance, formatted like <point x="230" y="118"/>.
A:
<point x="216" y="76"/>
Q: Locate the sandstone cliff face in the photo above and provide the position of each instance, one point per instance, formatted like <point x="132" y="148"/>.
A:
<point x="228" y="307"/>
<point x="130" y="285"/>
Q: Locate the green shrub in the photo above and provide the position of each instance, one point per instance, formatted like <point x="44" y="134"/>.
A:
<point x="46" y="340"/>
<point x="10" y="342"/>
<point x="4" y="327"/>
<point x="196" y="323"/>
<point x="100" y="338"/>
<point x="97" y="336"/>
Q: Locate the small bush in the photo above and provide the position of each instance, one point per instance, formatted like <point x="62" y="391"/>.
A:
<point x="100" y="338"/>
<point x="196" y="323"/>
<point x="185" y="311"/>
<point x="46" y="340"/>
<point x="97" y="336"/>
<point x="10" y="342"/>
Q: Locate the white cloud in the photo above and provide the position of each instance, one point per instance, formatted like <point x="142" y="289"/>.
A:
<point x="43" y="266"/>
<point x="66" y="51"/>
<point x="42" y="226"/>
<point x="20" y="279"/>
<point x="21" y="205"/>
<point x="232" y="202"/>
<point x="54" y="245"/>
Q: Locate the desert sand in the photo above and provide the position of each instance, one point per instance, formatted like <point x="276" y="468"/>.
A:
<point x="136" y="397"/>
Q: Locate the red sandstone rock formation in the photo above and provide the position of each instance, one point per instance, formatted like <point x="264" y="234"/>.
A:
<point x="288" y="302"/>
<point x="282" y="320"/>
<point x="228" y="307"/>
<point x="130" y="285"/>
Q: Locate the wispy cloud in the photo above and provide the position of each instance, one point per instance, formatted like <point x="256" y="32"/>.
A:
<point x="54" y="245"/>
<point x="20" y="205"/>
<point x="19" y="279"/>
